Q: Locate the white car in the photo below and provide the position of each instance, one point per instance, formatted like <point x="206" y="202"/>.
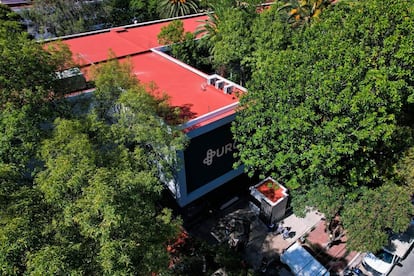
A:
<point x="380" y="263"/>
<point x="383" y="262"/>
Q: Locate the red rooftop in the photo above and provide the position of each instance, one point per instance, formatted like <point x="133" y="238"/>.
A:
<point x="209" y="101"/>
<point x="186" y="87"/>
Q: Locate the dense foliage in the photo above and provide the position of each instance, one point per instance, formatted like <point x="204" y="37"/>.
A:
<point x="101" y="198"/>
<point x="184" y="47"/>
<point x="329" y="112"/>
<point x="227" y="34"/>
<point x="64" y="17"/>
<point x="27" y="75"/>
<point x="173" y="8"/>
<point x="79" y="191"/>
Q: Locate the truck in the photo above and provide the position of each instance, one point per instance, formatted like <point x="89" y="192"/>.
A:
<point x="397" y="249"/>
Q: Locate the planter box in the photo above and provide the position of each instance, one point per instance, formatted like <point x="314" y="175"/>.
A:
<point x="270" y="198"/>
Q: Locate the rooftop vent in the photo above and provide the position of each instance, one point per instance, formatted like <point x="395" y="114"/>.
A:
<point x="219" y="84"/>
<point x="228" y="89"/>
<point x="211" y="80"/>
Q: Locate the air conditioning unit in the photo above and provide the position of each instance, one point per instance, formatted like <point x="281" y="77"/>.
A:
<point x="220" y="84"/>
<point x="211" y="80"/>
<point x="228" y="89"/>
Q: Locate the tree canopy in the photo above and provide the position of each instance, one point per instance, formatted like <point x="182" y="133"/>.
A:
<point x="226" y="33"/>
<point x="31" y="82"/>
<point x="79" y="193"/>
<point x="27" y="82"/>
<point x="173" y="8"/>
<point x="183" y="46"/>
<point x="27" y="90"/>
<point x="102" y="198"/>
<point x="328" y="111"/>
<point x="60" y="17"/>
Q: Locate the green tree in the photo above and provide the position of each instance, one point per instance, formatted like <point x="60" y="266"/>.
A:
<point x="183" y="46"/>
<point x="144" y="7"/>
<point x="275" y="35"/>
<point x="367" y="220"/>
<point x="69" y="17"/>
<point x="103" y="181"/>
<point x="121" y="12"/>
<point x="172" y="33"/>
<point x="27" y="82"/>
<point x="26" y="70"/>
<point x="23" y="215"/>
<point x="12" y="18"/>
<point x="111" y="80"/>
<point x="27" y="75"/>
<point x="103" y="199"/>
<point x="405" y="168"/>
<point x="331" y="110"/>
<point x="226" y="34"/>
<point x="87" y="204"/>
<point x="207" y="30"/>
<point x="93" y="206"/>
<point x="234" y="47"/>
<point x="173" y="8"/>
<point x="300" y="13"/>
<point x="62" y="17"/>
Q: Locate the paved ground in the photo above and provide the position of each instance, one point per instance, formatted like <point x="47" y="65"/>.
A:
<point x="406" y="267"/>
<point x="334" y="258"/>
<point x="262" y="243"/>
<point x="267" y="244"/>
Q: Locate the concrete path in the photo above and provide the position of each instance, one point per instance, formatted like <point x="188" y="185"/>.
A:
<point x="266" y="244"/>
<point x="336" y="257"/>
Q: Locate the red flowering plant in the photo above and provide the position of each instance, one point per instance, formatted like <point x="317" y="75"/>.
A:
<point x="271" y="190"/>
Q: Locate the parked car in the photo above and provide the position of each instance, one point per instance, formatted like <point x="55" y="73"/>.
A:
<point x="383" y="261"/>
<point x="302" y="263"/>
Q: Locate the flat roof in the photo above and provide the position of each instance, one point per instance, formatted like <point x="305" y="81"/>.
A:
<point x="128" y="40"/>
<point x="186" y="87"/>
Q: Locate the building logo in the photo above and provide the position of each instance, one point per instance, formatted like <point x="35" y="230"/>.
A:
<point x="209" y="156"/>
<point x="219" y="152"/>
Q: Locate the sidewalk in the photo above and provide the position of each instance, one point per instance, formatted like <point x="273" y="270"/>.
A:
<point x="266" y="244"/>
<point x="337" y="256"/>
